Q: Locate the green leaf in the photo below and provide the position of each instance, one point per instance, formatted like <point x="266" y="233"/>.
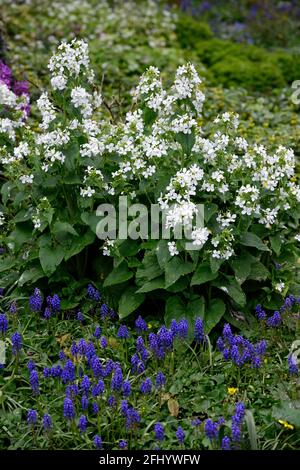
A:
<point x="51" y="257"/>
<point x="91" y="220"/>
<point x="129" y="302"/>
<point x="162" y="253"/>
<point x="287" y="412"/>
<point x="209" y="210"/>
<point x="7" y="264"/>
<point x="258" y="272"/>
<point x="215" y="264"/>
<point x="20" y="235"/>
<point x="251" y="430"/>
<point x="175" y="309"/>
<point x="203" y="274"/>
<point x="31" y="275"/>
<point x="213" y="314"/>
<point x="241" y="268"/>
<point x="79" y="243"/>
<point x="149" y="270"/>
<point x="158" y="283"/>
<point x="250" y="239"/>
<point x="276" y="244"/>
<point x="176" y="268"/>
<point x="129" y="247"/>
<point x="118" y="275"/>
<point x="179" y="285"/>
<point x="232" y="288"/>
<point x="63" y="227"/>
<point x="186" y="141"/>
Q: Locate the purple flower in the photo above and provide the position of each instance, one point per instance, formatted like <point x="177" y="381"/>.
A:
<point x="183" y="328"/>
<point x="124" y="407"/>
<point x="93" y="293"/>
<point x="132" y="419"/>
<point x="72" y="391"/>
<point x="159" y="431"/>
<point x="97" y="367"/>
<point x="62" y="356"/>
<point x="196" y="422"/>
<point x="174" y="327"/>
<point x="123" y="332"/>
<point x="32" y="417"/>
<point x="97" y="332"/>
<point x="13" y="308"/>
<point x="275" y="320"/>
<point x="146" y="386"/>
<point x="104" y="311"/>
<point x="3" y="323"/>
<point x="47" y="422"/>
<point x="31" y="365"/>
<point x="84" y="402"/>
<point x="225" y="443"/>
<point x="236" y="432"/>
<point x="227" y="334"/>
<point x="261" y="347"/>
<point x="117" y="380"/>
<point x="180" y="434"/>
<point x="55" y="303"/>
<point x="5" y="74"/>
<point x="69" y="410"/>
<point x="111" y="401"/>
<point x="97" y="442"/>
<point x="21" y="88"/>
<point x="85" y="384"/>
<point x="160" y="380"/>
<point x="123" y="444"/>
<point x="98" y="388"/>
<point x="199" y="331"/>
<point x="82" y="423"/>
<point x="239" y="413"/>
<point x="140" y="324"/>
<point x="68" y="373"/>
<point x="293" y="367"/>
<point x="47" y="313"/>
<point x="80" y="317"/>
<point x="103" y="342"/>
<point x="16" y="339"/>
<point x="260" y="313"/>
<point x="34" y="382"/>
<point x="126" y="388"/>
<point x="211" y="429"/>
<point x="95" y="408"/>
<point x="36" y="301"/>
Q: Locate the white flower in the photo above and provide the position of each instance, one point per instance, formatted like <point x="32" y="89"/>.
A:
<point x="279" y="286"/>
<point x="2" y="220"/>
<point x="26" y="179"/>
<point x="107" y="247"/>
<point x="58" y="82"/>
<point x="200" y="236"/>
<point x="172" y="249"/>
<point x="88" y="192"/>
<point x="297" y="237"/>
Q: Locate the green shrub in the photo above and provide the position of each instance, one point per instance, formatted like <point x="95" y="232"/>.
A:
<point x="189" y="31"/>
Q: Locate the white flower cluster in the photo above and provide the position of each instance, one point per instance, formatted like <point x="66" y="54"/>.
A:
<point x="2" y="219"/>
<point x="70" y="60"/>
<point x="14" y="117"/>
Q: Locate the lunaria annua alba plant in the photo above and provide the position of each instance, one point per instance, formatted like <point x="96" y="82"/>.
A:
<point x="159" y="154"/>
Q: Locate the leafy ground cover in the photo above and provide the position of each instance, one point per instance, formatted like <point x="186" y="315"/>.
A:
<point x="84" y="380"/>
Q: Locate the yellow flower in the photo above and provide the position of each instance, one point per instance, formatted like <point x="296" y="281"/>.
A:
<point x="231" y="390"/>
<point x="149" y="326"/>
<point x="285" y="424"/>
